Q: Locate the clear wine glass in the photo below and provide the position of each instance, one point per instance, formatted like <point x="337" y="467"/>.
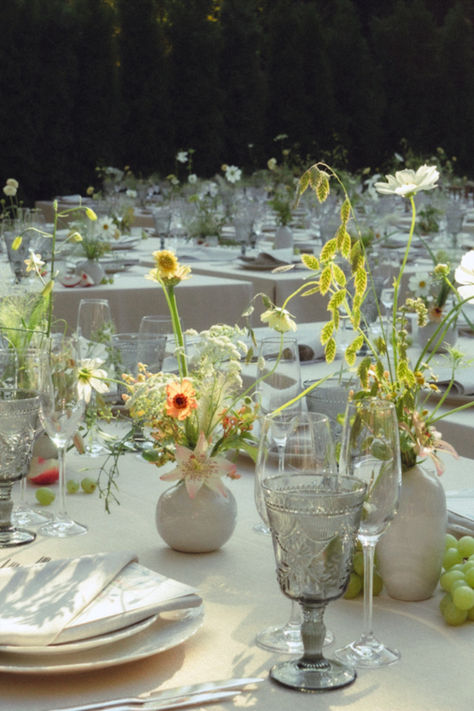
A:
<point x="151" y="331"/>
<point x="370" y="451"/>
<point x="61" y="412"/>
<point x="94" y="330"/>
<point x="280" y="372"/>
<point x="291" y="442"/>
<point x="314" y="521"/>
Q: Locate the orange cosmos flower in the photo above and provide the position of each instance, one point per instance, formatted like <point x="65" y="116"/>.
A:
<point x="180" y="399"/>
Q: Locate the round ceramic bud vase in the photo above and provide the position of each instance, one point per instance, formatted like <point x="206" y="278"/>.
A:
<point x="410" y="552"/>
<point x="198" y="525"/>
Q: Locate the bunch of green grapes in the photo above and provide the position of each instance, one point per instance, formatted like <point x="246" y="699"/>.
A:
<point x="457" y="580"/>
<point x="355" y="586"/>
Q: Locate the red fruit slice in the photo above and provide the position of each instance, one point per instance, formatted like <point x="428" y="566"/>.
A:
<point x="43" y="471"/>
<point x="70" y="280"/>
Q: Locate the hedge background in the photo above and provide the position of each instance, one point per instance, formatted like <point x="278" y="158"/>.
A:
<point x="119" y="82"/>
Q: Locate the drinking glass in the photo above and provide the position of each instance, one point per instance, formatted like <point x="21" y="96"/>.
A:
<point x="19" y="413"/>
<point x="370" y="451"/>
<point x="290" y="442"/>
<point x="61" y="412"/>
<point x="280" y="372"/>
<point x="151" y="331"/>
<point x="94" y="330"/>
<point x="314" y="521"/>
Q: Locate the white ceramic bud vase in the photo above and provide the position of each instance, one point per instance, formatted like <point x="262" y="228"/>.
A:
<point x="198" y="525"/>
<point x="283" y="237"/>
<point x="410" y="552"/>
<point x="440" y="341"/>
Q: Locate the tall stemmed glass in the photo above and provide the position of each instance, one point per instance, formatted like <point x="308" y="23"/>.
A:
<point x="280" y="372"/>
<point x="291" y="443"/>
<point x="370" y="450"/>
<point x="62" y="409"/>
<point x="314" y="521"/>
<point x="94" y="329"/>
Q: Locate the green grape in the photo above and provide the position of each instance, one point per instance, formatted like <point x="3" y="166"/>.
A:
<point x="377" y="583"/>
<point x="354" y="586"/>
<point x="88" y="485"/>
<point x="45" y="496"/>
<point x="469" y="576"/>
<point x="448" y="578"/>
<point x="358" y="563"/>
<point x="460" y="582"/>
<point x="458" y="566"/>
<point x="451" y="541"/>
<point x="466" y="546"/>
<point x="452" y="614"/>
<point x="463" y="597"/>
<point x="451" y="557"/>
<point x="444" y="601"/>
<point x="72" y="486"/>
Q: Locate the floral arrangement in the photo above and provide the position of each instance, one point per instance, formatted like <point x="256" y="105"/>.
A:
<point x="197" y="414"/>
<point x="434" y="287"/>
<point x="384" y="368"/>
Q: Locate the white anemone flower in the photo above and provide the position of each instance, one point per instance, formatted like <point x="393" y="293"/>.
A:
<point x="182" y="156"/>
<point x="420" y="284"/>
<point x="407" y="183"/>
<point x="232" y="173"/>
<point x="464" y="275"/>
<point x="91" y="377"/>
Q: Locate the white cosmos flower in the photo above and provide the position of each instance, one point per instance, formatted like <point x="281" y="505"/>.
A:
<point x="192" y="178"/>
<point x="407" y="183"/>
<point x="464" y="275"/>
<point x="232" y="173"/>
<point x="182" y="157"/>
<point x="420" y="284"/>
<point x="91" y="377"/>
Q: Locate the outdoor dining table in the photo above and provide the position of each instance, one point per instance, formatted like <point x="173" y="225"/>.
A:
<point x="241" y="597"/>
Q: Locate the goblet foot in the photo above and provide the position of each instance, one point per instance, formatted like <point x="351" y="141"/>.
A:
<point x="367" y="653"/>
<point x="24" y="515"/>
<point x="324" y="675"/>
<point x="15" y="537"/>
<point x="62" y="528"/>
<point x="286" y="639"/>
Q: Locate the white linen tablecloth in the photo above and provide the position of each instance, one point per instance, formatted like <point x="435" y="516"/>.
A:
<point x="241" y="597"/>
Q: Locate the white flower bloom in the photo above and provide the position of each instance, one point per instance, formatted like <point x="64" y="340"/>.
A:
<point x="105" y="226"/>
<point x="182" y="157"/>
<point x="271" y="163"/>
<point x="14" y="183"/>
<point x="131" y="193"/>
<point x="9" y="190"/>
<point x="407" y="183"/>
<point x="279" y="319"/>
<point x="91" y="377"/>
<point x="34" y="262"/>
<point x="232" y="173"/>
<point x="192" y="178"/>
<point x="464" y="275"/>
<point x="419" y="284"/>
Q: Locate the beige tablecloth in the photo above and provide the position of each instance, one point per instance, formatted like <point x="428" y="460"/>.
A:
<point x="242" y="597"/>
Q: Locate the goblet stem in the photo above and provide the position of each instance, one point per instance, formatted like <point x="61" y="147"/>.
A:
<point x="62" y="525"/>
<point x="62" y="513"/>
<point x="368" y="549"/>
<point x="313" y="633"/>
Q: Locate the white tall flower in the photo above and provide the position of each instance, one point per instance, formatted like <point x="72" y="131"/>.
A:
<point x="408" y="182"/>
<point x="464" y="275"/>
<point x="232" y="173"/>
<point x="91" y="377"/>
<point x="192" y="178"/>
<point x="182" y="157"/>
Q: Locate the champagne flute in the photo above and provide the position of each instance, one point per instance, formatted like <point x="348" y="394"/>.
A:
<point x="291" y="442"/>
<point x="314" y="521"/>
<point x="280" y="372"/>
<point x="370" y="451"/>
<point x="61" y="412"/>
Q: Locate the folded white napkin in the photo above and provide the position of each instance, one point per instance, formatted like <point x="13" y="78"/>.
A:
<point x="463" y="383"/>
<point x="309" y="335"/>
<point x="38" y="601"/>
<point x="460" y="525"/>
<point x="69" y="600"/>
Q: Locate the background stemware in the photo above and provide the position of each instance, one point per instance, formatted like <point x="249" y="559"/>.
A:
<point x="370" y="450"/>
<point x="290" y="442"/>
<point x="314" y="520"/>
<point x="61" y="412"/>
<point x="280" y="369"/>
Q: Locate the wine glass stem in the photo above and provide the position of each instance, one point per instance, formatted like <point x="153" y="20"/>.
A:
<point x="62" y="513"/>
<point x="295" y="615"/>
<point x="368" y="549"/>
<point x="313" y="633"/>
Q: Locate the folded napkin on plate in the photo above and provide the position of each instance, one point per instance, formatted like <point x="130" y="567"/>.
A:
<point x="463" y="383"/>
<point x="277" y="258"/>
<point x="68" y="600"/>
<point x="460" y="525"/>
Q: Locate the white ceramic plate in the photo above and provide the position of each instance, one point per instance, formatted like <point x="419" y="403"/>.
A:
<point x="83" y="644"/>
<point x="169" y="630"/>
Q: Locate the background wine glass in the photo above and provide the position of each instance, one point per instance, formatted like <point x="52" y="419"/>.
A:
<point x="152" y="328"/>
<point x="370" y="450"/>
<point x="280" y="370"/>
<point x="61" y="412"/>
<point x="313" y="520"/>
<point x="291" y="443"/>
